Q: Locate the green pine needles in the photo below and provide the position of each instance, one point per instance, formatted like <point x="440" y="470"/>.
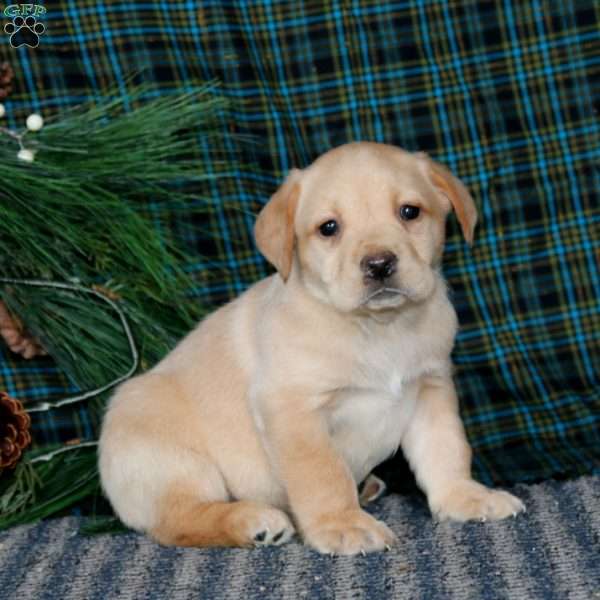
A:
<point x="94" y="209"/>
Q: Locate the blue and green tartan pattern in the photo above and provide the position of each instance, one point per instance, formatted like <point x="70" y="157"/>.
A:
<point x="505" y="93"/>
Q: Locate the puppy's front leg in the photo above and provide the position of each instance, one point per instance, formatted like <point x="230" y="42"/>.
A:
<point x="320" y="488"/>
<point x="439" y="454"/>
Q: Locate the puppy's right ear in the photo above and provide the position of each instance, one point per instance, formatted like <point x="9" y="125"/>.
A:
<point x="274" y="228"/>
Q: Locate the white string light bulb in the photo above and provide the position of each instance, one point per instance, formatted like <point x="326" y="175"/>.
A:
<point x="34" y="122"/>
<point x="26" y="155"/>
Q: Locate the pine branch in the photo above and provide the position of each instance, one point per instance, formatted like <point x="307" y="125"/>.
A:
<point x="78" y="213"/>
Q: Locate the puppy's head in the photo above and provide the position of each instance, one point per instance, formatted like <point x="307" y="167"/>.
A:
<point x="363" y="226"/>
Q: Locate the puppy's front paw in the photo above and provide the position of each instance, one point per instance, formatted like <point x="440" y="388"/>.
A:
<point x="468" y="500"/>
<point x="348" y="532"/>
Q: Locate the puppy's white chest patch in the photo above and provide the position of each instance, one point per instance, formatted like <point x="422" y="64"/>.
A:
<point x="386" y="369"/>
<point x="395" y="384"/>
<point x="370" y="416"/>
<point x="367" y="426"/>
<point x="389" y="367"/>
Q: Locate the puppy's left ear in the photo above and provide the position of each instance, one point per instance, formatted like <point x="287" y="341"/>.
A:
<point x="453" y="189"/>
<point x="274" y="227"/>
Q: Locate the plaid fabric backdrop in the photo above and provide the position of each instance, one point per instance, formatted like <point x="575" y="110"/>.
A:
<point x="502" y="92"/>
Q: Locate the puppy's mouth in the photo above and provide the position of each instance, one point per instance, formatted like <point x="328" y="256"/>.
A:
<point x="387" y="297"/>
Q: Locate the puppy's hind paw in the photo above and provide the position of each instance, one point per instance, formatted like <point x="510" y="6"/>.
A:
<point x="267" y="526"/>
<point x="371" y="489"/>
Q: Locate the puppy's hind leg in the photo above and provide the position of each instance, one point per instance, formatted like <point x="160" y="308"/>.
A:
<point x="185" y="520"/>
<point x="160" y="481"/>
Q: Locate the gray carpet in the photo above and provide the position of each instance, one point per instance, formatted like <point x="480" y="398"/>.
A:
<point x="551" y="552"/>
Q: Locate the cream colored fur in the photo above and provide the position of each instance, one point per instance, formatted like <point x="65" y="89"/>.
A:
<point x="265" y="418"/>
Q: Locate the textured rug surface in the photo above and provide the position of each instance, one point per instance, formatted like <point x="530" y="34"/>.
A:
<point x="551" y="552"/>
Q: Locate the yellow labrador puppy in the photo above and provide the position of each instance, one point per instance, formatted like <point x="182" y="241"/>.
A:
<point x="267" y="416"/>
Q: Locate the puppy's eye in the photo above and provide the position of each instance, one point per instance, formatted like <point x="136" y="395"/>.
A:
<point x="329" y="228"/>
<point x="408" y="212"/>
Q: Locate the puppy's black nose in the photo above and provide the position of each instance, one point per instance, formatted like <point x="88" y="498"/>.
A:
<point x="379" y="266"/>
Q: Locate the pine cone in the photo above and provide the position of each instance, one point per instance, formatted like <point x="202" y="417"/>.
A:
<point x="16" y="336"/>
<point x="6" y="77"/>
<point x="14" y="431"/>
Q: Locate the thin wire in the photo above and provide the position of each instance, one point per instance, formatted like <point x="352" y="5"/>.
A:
<point x="135" y="359"/>
<point x="14" y="135"/>
<point x="50" y="455"/>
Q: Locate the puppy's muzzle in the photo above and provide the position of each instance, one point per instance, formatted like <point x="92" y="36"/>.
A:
<point x="379" y="267"/>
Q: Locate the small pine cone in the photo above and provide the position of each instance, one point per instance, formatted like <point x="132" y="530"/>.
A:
<point x="6" y="77"/>
<point x="16" y="336"/>
<point x="14" y="431"/>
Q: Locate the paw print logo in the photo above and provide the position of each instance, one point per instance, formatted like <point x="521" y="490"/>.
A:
<point x="24" y="31"/>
